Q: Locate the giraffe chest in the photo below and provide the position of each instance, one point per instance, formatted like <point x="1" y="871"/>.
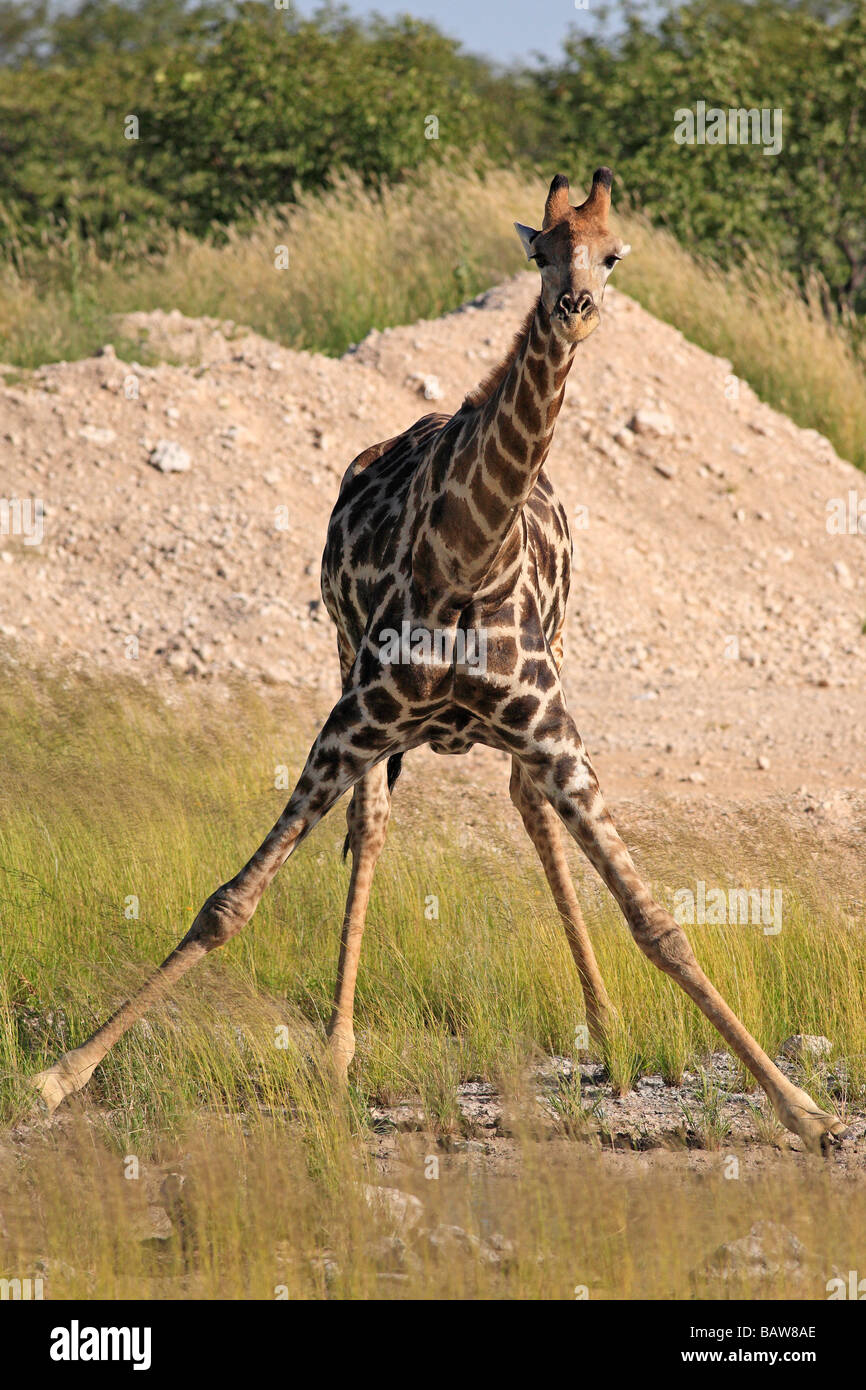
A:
<point x="367" y="571"/>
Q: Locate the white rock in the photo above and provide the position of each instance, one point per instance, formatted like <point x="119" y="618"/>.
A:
<point x="401" y="1209"/>
<point x="155" y="1224"/>
<point x="432" y="390"/>
<point x="94" y="434"/>
<point x="168" y="456"/>
<point x="843" y="575"/>
<point x="766" y="1252"/>
<point x="448" y="1240"/>
<point x="276" y="675"/>
<point x="653" y="422"/>
<point x="428" y="386"/>
<point x="806" y="1046"/>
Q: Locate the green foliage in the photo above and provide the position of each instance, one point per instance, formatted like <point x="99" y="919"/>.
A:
<point x="236" y="111"/>
<point x="64" y="163"/>
<point x="29" y="32"/>
<point x="271" y="107"/>
<point x="803" y="208"/>
<point x="242" y="106"/>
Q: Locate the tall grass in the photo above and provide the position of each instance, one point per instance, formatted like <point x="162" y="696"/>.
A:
<point x="356" y="260"/>
<point x="112" y="796"/>
<point x="359" y="260"/>
<point x="120" y="814"/>
<point x="250" y="1221"/>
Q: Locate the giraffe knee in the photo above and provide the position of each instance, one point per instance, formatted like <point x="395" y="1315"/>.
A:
<point x="219" y="919"/>
<point x="663" y="941"/>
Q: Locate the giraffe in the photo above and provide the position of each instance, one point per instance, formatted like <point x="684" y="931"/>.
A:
<point x="452" y="530"/>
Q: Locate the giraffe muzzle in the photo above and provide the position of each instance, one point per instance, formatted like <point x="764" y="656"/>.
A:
<point x="581" y="305"/>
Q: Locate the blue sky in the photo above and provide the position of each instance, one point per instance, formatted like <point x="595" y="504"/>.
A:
<point x="506" y="30"/>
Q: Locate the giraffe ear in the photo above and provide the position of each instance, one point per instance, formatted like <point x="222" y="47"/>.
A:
<point x="527" y="235"/>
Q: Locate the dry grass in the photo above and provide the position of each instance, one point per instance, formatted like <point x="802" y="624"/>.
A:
<point x="357" y="260"/>
<point x="251" y="1221"/>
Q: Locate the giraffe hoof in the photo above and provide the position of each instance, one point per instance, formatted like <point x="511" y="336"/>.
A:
<point x="52" y="1086"/>
<point x="834" y="1139"/>
<point x="61" y="1080"/>
<point x="820" y="1131"/>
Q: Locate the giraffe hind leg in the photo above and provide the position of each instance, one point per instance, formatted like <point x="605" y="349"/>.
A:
<point x="368" y="815"/>
<point x="543" y="828"/>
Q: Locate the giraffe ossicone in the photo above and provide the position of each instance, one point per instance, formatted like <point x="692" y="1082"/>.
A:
<point x="453" y="528"/>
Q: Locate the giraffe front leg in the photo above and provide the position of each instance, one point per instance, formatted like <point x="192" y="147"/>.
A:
<point x="345" y="749"/>
<point x="554" y="758"/>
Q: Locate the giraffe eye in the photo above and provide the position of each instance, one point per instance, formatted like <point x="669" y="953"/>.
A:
<point x="540" y="260"/>
<point x="611" y="260"/>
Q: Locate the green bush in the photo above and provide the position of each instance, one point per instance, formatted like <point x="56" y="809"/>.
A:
<point x="242" y="106"/>
<point x="804" y="208"/>
<point x="238" y="113"/>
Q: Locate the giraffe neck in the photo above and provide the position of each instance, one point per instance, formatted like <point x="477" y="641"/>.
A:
<point x="480" y="481"/>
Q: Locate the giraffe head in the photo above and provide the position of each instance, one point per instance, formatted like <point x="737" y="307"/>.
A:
<point x="575" y="250"/>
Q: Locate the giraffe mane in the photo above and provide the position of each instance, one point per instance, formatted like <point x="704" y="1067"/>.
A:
<point x="481" y="394"/>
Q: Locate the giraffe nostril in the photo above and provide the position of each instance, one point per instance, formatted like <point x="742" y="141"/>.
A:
<point x="582" y="304"/>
